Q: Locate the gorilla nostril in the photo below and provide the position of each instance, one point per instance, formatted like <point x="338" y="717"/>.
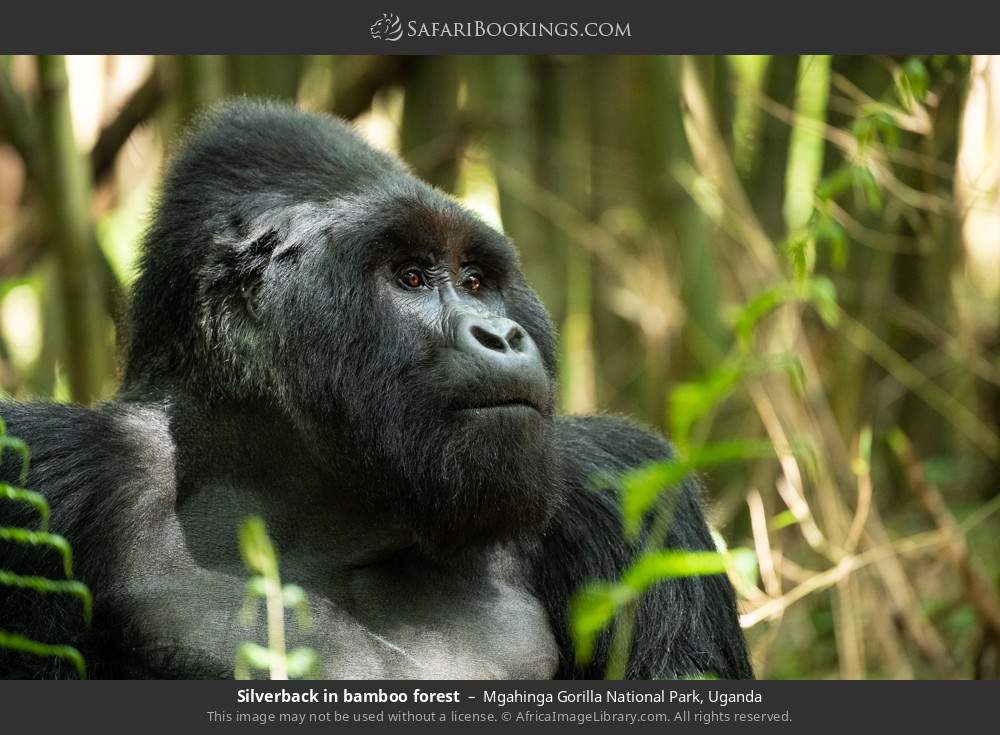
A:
<point x="515" y="338"/>
<point x="487" y="339"/>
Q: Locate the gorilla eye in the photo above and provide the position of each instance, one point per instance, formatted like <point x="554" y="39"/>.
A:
<point x="411" y="278"/>
<point x="473" y="282"/>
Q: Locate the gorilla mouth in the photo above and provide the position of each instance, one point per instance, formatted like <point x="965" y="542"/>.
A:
<point x="505" y="404"/>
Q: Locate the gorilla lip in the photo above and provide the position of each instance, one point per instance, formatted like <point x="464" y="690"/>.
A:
<point x="513" y="403"/>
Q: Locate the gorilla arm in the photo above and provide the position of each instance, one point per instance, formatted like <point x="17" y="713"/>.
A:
<point x="159" y="611"/>
<point x="683" y="627"/>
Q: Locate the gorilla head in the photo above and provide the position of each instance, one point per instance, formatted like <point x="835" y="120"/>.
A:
<point x="293" y="268"/>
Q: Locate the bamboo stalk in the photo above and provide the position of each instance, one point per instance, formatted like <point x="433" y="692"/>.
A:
<point x="67" y="194"/>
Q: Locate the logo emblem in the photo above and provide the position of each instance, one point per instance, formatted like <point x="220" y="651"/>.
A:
<point x="387" y="28"/>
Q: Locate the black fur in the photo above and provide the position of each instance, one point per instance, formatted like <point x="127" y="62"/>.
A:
<point x="275" y="367"/>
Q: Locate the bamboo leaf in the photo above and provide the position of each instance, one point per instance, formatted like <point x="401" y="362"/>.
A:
<point x="783" y="520"/>
<point x="657" y="566"/>
<point x="591" y="610"/>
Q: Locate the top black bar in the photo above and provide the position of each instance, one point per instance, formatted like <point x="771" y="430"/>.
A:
<point x="511" y="26"/>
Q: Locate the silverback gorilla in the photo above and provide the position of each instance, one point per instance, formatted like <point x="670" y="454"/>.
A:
<point x="322" y="339"/>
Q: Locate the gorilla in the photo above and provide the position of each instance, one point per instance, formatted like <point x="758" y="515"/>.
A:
<point x="322" y="339"/>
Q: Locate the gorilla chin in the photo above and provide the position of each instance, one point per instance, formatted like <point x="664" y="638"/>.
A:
<point x="491" y="475"/>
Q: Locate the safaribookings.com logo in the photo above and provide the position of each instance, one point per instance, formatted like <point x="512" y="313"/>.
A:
<point x="390" y="28"/>
<point x="387" y="28"/>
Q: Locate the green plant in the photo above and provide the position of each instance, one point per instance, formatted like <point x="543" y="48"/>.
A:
<point x="642" y="490"/>
<point x="261" y="559"/>
<point x="40" y="537"/>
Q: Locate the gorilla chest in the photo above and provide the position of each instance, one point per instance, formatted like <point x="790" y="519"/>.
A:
<point x="379" y="607"/>
<point x="410" y="618"/>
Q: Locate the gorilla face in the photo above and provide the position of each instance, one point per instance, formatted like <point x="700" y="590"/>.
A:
<point x="437" y="362"/>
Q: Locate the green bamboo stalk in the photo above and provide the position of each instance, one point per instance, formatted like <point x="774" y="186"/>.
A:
<point x="431" y="138"/>
<point x="67" y="194"/>
<point x="508" y="92"/>
<point x="564" y="137"/>
<point x="749" y="74"/>
<point x="660" y="149"/>
<point x="202" y="81"/>
<point x="765" y="181"/>
<point x="805" y="153"/>
<point x="15" y="117"/>
<point x="275" y="77"/>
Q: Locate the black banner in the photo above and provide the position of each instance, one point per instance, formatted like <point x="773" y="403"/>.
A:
<point x="695" y="706"/>
<point x="515" y="26"/>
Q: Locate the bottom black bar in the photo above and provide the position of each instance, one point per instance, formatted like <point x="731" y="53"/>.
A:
<point x="695" y="706"/>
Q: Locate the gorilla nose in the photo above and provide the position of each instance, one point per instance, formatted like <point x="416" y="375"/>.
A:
<point x="499" y="335"/>
<point x="496" y="340"/>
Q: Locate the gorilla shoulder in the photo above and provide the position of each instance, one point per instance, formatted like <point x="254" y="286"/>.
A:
<point x="88" y="461"/>
<point x="606" y="442"/>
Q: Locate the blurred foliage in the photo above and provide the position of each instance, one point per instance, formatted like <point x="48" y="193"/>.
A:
<point x="781" y="261"/>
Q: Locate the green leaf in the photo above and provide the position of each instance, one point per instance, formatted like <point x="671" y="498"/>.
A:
<point x="255" y="545"/>
<point x="757" y="308"/>
<point x="595" y="606"/>
<point x="258" y="586"/>
<point x="657" y="566"/>
<point x="688" y="402"/>
<point x="829" y="232"/>
<point x="41" y="538"/>
<point x="301" y="662"/>
<point x="823" y="297"/>
<point x="29" y="497"/>
<point x="50" y="586"/>
<point x="251" y="656"/>
<point x="19" y="447"/>
<point x="800" y="248"/>
<point x="591" y="610"/>
<point x="865" y="179"/>
<point x="642" y="486"/>
<point x="745" y="564"/>
<point x="734" y="450"/>
<point x="817" y="291"/>
<point x="783" y="520"/>
<point x="836" y="183"/>
<point x="18" y="642"/>
<point x="912" y="82"/>
<point x="294" y="597"/>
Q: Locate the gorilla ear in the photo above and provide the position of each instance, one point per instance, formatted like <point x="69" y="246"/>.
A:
<point x="234" y="280"/>
<point x="249" y="292"/>
<point x="252" y="258"/>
